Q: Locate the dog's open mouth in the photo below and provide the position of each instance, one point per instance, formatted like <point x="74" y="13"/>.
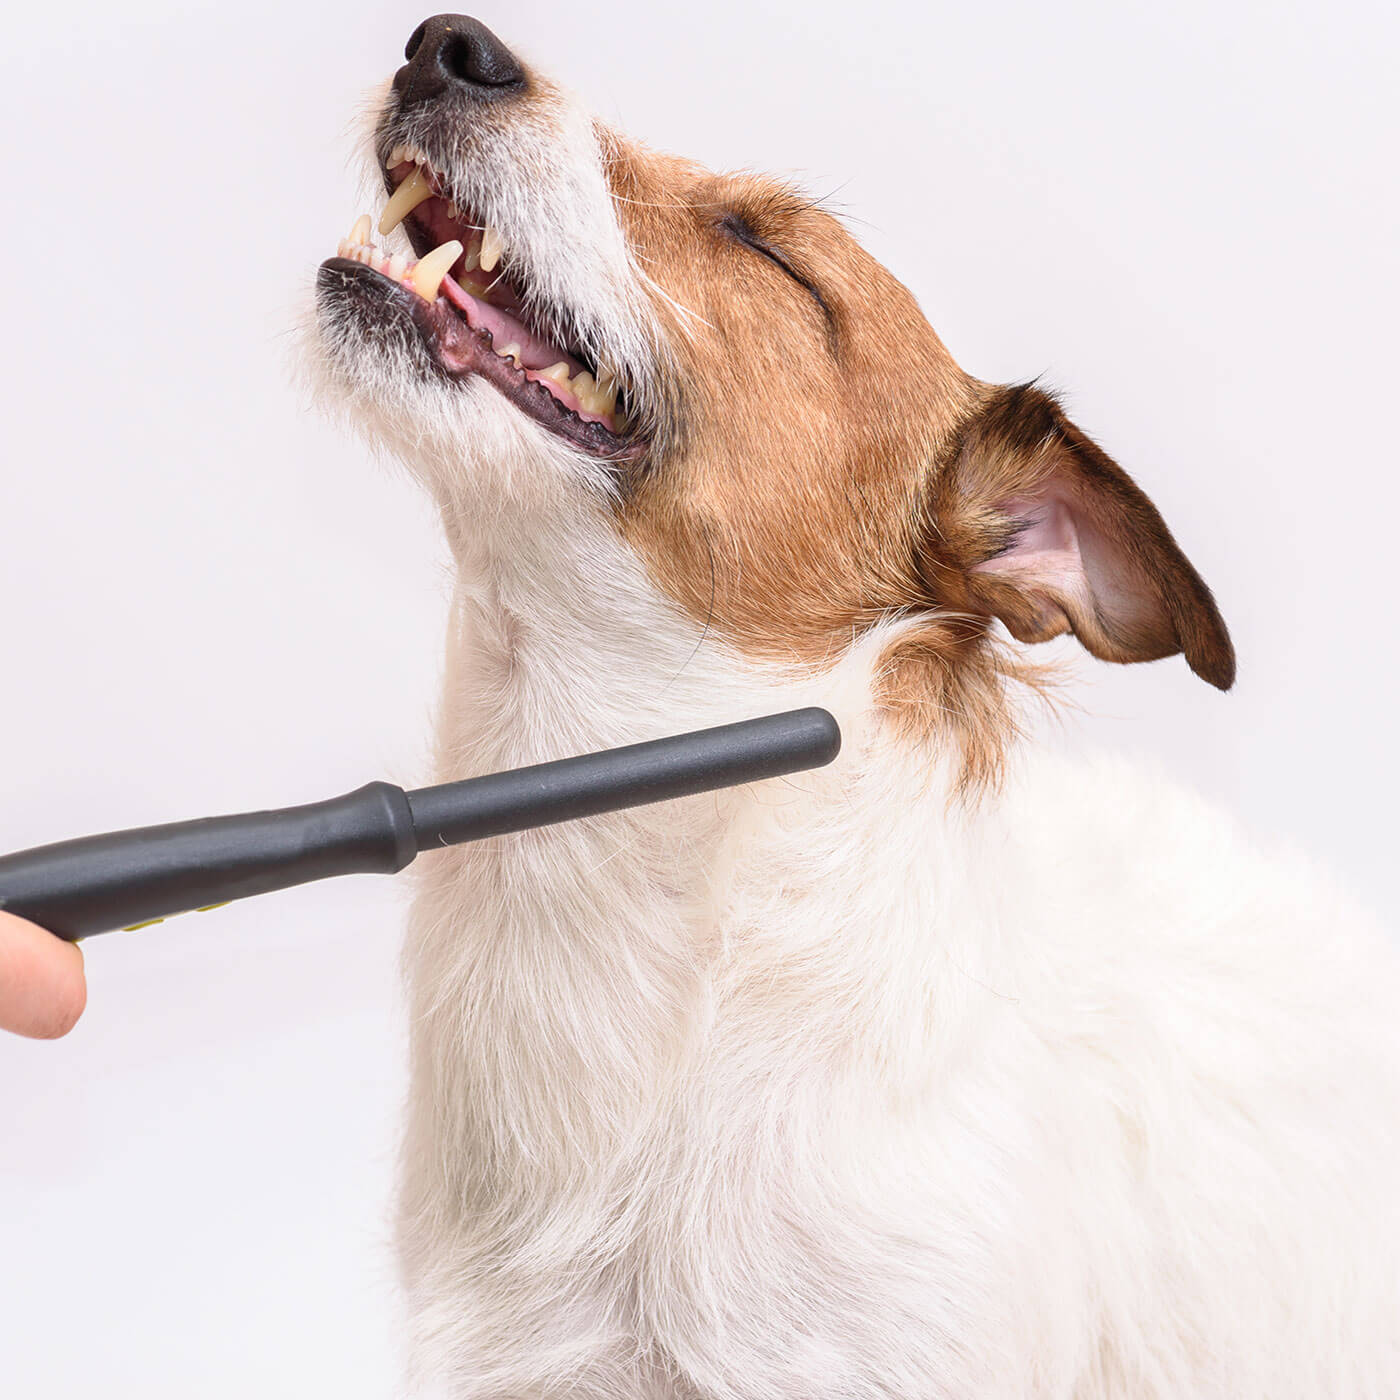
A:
<point x="474" y="317"/>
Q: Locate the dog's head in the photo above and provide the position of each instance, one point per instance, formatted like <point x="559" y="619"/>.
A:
<point x="756" y="405"/>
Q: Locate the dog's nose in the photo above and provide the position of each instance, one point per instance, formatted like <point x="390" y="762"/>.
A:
<point x="455" y="53"/>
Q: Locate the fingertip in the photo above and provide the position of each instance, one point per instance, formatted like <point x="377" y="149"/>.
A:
<point x="69" y="997"/>
<point x="43" y="982"/>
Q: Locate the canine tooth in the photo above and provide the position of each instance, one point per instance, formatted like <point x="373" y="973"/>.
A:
<point x="398" y="155"/>
<point x="398" y="265"/>
<point x="406" y="199"/>
<point x="360" y="232"/>
<point x="492" y="246"/>
<point x="428" y="273"/>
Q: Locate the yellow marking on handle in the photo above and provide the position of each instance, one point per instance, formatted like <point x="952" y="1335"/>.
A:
<point x="202" y="909"/>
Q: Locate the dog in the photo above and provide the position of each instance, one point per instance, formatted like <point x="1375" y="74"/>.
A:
<point x="953" y="1069"/>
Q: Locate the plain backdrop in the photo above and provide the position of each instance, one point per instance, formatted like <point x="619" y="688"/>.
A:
<point x="1185" y="216"/>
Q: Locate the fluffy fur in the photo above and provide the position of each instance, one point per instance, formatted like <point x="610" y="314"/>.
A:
<point x="871" y="1082"/>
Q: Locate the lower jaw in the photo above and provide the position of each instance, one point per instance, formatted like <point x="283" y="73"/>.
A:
<point x="457" y="351"/>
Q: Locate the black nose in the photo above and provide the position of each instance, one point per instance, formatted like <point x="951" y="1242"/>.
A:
<point x="455" y="53"/>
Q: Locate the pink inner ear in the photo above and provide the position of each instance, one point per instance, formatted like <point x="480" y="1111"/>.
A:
<point x="1046" y="552"/>
<point x="1060" y="556"/>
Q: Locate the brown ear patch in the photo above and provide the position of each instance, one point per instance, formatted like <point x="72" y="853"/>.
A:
<point x="1052" y="536"/>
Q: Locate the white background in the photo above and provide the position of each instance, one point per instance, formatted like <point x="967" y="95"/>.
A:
<point x="1184" y="215"/>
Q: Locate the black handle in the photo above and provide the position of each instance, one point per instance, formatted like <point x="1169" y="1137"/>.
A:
<point x="99" y="883"/>
<point x="128" y="878"/>
<point x="569" y="788"/>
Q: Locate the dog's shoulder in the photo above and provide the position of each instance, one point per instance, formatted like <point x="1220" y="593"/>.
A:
<point x="1158" y="901"/>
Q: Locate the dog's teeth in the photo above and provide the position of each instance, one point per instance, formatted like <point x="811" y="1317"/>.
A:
<point x="473" y="257"/>
<point x="597" y="397"/>
<point x="406" y="199"/>
<point x="453" y="212"/>
<point x="398" y="155"/>
<point x="558" y="373"/>
<point x="360" y="232"/>
<point x="492" y="246"/>
<point x="510" y="352"/>
<point x="398" y="265"/>
<point x="428" y="273"/>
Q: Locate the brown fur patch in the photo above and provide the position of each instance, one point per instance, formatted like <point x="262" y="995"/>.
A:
<point x="825" y="463"/>
<point x="782" y="509"/>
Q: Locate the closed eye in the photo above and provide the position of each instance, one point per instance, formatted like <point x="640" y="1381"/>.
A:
<point x="739" y="229"/>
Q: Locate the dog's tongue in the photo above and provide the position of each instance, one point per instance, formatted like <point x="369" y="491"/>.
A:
<point x="506" y="329"/>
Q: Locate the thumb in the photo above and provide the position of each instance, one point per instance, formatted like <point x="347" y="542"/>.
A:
<point x="42" y="985"/>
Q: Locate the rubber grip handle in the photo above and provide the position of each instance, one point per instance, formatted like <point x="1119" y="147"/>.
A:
<point x="128" y="878"/>
<point x="658" y="770"/>
<point x="97" y="883"/>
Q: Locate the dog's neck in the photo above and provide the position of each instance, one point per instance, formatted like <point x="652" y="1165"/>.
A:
<point x="564" y="981"/>
<point x="559" y="644"/>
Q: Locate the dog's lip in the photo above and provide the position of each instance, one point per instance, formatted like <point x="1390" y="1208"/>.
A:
<point x="457" y="349"/>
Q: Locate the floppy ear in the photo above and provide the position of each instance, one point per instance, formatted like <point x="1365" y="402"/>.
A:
<point x="1052" y="536"/>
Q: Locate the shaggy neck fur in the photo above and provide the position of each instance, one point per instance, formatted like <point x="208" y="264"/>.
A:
<point x="558" y="644"/>
<point x="583" y="1038"/>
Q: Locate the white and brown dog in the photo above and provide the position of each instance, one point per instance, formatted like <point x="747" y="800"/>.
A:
<point x="948" y="1071"/>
